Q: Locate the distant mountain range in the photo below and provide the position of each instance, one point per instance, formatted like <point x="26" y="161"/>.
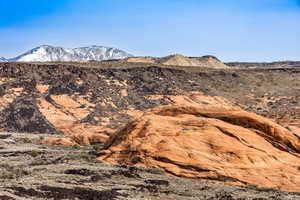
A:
<point x="47" y="53"/>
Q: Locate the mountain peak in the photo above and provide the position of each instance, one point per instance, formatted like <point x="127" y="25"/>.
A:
<point x="48" y="53"/>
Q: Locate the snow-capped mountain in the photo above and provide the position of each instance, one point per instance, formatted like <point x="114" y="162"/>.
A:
<point x="47" y="53"/>
<point x="2" y="59"/>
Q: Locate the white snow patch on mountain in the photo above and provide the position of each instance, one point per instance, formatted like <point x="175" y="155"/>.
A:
<point x="47" y="53"/>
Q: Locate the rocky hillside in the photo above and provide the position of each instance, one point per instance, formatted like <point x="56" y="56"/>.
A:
<point x="88" y="105"/>
<point x="180" y="60"/>
<point x="107" y="97"/>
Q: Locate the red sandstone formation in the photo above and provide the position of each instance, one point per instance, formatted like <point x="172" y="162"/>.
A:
<point x="212" y="142"/>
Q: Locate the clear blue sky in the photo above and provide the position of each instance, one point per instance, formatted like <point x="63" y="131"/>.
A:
<point x="233" y="30"/>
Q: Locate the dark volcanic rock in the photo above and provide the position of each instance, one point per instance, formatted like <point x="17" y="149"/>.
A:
<point x="22" y="115"/>
<point x="103" y="87"/>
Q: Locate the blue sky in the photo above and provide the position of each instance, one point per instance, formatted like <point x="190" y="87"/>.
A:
<point x="232" y="30"/>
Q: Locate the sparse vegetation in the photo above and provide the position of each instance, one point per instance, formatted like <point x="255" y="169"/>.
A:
<point x="34" y="153"/>
<point x="12" y="172"/>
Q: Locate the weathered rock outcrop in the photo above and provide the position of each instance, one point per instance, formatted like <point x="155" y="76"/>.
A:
<point x="212" y="142"/>
<point x="69" y="98"/>
<point x="181" y="60"/>
<point x="86" y="134"/>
